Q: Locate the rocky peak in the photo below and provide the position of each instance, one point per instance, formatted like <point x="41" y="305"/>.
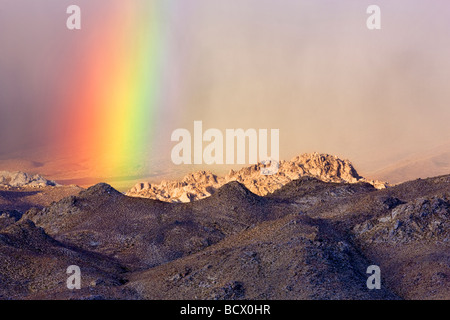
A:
<point x="201" y="184"/>
<point x="20" y="179"/>
<point x="327" y="167"/>
<point x="232" y="191"/>
<point x="100" y="189"/>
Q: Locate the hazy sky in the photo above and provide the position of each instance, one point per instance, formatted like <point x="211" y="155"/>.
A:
<point x="309" y="68"/>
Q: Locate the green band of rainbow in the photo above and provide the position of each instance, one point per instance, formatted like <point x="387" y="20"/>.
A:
<point x="117" y="91"/>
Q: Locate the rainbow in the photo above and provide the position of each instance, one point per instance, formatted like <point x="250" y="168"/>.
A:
<point x="116" y="89"/>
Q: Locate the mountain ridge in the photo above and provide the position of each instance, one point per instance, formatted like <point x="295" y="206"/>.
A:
<point x="19" y="179"/>
<point x="202" y="184"/>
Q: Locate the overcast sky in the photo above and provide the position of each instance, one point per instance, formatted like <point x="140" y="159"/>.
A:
<point x="309" y="68"/>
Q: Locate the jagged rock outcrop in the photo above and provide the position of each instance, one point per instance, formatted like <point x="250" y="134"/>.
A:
<point x="424" y="218"/>
<point x="20" y="179"/>
<point x="9" y="217"/>
<point x="192" y="187"/>
<point x="202" y="184"/>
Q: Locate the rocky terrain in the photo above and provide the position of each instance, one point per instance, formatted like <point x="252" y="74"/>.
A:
<point x="308" y="239"/>
<point x="21" y="191"/>
<point x="20" y="179"/>
<point x="202" y="184"/>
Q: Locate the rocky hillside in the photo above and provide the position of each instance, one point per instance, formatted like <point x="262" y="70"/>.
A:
<point x="20" y="179"/>
<point x="28" y="256"/>
<point x="203" y="184"/>
<point x="20" y="191"/>
<point x="309" y="239"/>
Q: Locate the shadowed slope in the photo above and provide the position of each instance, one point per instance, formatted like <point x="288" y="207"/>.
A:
<point x="32" y="263"/>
